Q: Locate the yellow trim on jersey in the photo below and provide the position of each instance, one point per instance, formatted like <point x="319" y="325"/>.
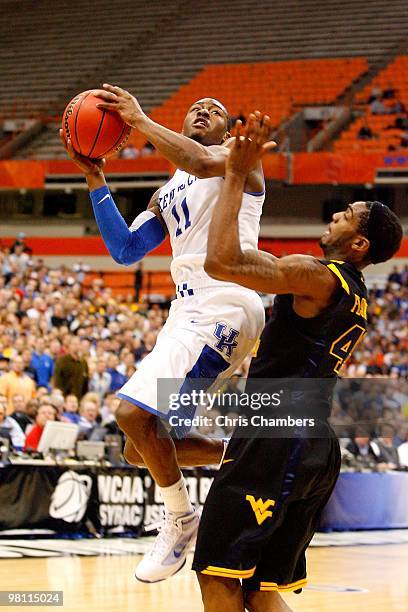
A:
<point x="225" y="572"/>
<point x="291" y="586"/>
<point x="339" y="275"/>
<point x="254" y="351"/>
<point x="337" y="261"/>
<point x="227" y="461"/>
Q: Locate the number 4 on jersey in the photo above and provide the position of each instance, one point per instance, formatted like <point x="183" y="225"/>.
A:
<point x="345" y="345"/>
<point x="186" y="213"/>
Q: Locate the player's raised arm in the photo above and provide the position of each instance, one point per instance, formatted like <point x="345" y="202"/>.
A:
<point x="125" y="245"/>
<point x="297" y="274"/>
<point x="200" y="150"/>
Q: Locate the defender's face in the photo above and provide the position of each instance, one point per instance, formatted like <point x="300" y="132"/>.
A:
<point x="343" y="227"/>
<point x="206" y="122"/>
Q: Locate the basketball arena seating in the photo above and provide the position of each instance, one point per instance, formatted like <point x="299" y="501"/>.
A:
<point x="395" y="75"/>
<point x="47" y="56"/>
<point x="153" y="49"/>
<point x="155" y="283"/>
<point x="278" y="88"/>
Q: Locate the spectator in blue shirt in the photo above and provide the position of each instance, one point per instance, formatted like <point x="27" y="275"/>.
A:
<point x="118" y="379"/>
<point x="43" y="364"/>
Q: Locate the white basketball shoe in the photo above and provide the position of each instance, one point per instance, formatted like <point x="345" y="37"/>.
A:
<point x="168" y="555"/>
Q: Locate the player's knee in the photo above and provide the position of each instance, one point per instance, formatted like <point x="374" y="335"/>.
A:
<point x="217" y="587"/>
<point x="131" y="455"/>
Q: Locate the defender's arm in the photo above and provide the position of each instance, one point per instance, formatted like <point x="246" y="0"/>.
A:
<point x="300" y="275"/>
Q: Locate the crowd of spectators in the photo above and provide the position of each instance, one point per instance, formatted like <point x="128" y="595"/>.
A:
<point x="131" y="152"/>
<point x="384" y="350"/>
<point x="370" y="417"/>
<point x="66" y="347"/>
<point x="385" y="101"/>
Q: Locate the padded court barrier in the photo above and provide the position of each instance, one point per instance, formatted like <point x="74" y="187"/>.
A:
<point x="120" y="497"/>
<point x="367" y="501"/>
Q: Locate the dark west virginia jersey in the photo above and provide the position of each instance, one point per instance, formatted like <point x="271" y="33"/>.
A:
<point x="266" y="501"/>
<point x="295" y="347"/>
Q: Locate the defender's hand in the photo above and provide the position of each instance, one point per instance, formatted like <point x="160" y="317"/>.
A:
<point x="122" y="102"/>
<point x="251" y="146"/>
<point x="87" y="165"/>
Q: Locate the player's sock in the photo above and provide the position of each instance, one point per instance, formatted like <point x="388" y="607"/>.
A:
<point x="176" y="498"/>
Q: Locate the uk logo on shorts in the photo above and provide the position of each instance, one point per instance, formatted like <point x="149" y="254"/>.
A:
<point x="226" y="341"/>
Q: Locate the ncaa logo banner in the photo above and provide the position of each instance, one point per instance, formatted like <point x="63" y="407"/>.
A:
<point x="96" y="500"/>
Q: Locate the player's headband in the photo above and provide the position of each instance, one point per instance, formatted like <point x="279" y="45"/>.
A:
<point x="221" y="106"/>
<point x="216" y="102"/>
<point x="374" y="230"/>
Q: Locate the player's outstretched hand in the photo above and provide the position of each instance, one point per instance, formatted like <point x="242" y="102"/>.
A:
<point x="250" y="144"/>
<point x="121" y="101"/>
<point x="85" y="164"/>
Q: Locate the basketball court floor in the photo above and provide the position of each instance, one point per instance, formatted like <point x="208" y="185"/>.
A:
<point x="341" y="578"/>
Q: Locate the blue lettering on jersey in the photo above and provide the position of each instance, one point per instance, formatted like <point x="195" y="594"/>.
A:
<point x="225" y="341"/>
<point x="166" y="198"/>
<point x="187" y="222"/>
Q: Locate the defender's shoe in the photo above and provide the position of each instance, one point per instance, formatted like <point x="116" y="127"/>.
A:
<point x="168" y="555"/>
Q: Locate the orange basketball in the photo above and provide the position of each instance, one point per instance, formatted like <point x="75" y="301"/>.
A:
<point x="93" y="132"/>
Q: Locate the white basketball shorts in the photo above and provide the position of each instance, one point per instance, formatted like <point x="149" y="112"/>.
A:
<point x="207" y="335"/>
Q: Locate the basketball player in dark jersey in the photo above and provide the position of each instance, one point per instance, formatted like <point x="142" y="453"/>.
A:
<point x="266" y="500"/>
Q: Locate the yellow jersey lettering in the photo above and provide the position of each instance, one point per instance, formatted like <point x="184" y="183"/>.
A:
<point x="345" y="344"/>
<point x="360" y="306"/>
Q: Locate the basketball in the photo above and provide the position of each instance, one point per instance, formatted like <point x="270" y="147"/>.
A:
<point x="93" y="132"/>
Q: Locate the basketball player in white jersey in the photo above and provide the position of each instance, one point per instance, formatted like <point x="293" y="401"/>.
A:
<point x="212" y="325"/>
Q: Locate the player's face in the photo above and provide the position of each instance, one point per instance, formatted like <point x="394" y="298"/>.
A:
<point x="343" y="229"/>
<point x="206" y="122"/>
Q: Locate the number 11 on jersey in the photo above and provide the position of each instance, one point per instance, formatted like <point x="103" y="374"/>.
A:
<point x="186" y="213"/>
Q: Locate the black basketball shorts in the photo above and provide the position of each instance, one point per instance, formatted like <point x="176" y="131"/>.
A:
<point x="263" y="509"/>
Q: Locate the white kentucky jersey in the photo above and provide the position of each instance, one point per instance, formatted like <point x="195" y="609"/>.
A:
<point x="187" y="204"/>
